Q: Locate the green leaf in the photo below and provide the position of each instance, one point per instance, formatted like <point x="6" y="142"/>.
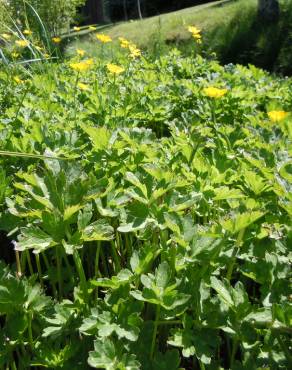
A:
<point x="111" y="356"/>
<point x="34" y="238"/>
<point x="98" y="230"/>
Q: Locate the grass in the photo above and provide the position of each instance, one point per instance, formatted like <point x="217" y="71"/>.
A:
<point x="230" y="28"/>
<point x="172" y="26"/>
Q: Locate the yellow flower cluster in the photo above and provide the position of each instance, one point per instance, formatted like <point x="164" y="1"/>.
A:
<point x="214" y="92"/>
<point x="196" y="33"/>
<point x="277" y="115"/>
<point x="82" y="66"/>
<point x="134" y="51"/>
<point x="103" y="38"/>
<point x="114" y="69"/>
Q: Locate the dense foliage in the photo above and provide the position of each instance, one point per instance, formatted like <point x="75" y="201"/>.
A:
<point x="57" y="13"/>
<point x="150" y="205"/>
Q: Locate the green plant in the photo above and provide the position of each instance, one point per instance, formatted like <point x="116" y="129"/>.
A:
<point x="150" y="212"/>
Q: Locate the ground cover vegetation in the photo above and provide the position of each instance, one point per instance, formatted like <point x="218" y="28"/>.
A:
<point x="145" y="210"/>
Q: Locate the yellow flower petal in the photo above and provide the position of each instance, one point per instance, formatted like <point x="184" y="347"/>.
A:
<point x="80" y="52"/>
<point x="113" y="68"/>
<point x="76" y="28"/>
<point x="6" y="36"/>
<point x="103" y="38"/>
<point x="277" y="115"/>
<point x="82" y="66"/>
<point x="56" y="40"/>
<point x="27" y="32"/>
<point x="82" y="86"/>
<point x="213" y="92"/>
<point x="22" y="43"/>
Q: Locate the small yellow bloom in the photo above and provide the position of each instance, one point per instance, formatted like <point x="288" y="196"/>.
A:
<point x="124" y="43"/>
<point x="82" y="66"/>
<point x="113" y="68"/>
<point x="194" y="30"/>
<point x="80" y="52"/>
<point x="18" y="80"/>
<point x="277" y="115"/>
<point x="22" y="43"/>
<point x="38" y="48"/>
<point x="83" y="86"/>
<point x="56" y="40"/>
<point x="76" y="28"/>
<point x="47" y="56"/>
<point x="213" y="92"/>
<point x="103" y="38"/>
<point x="6" y="36"/>
<point x="196" y="33"/>
<point x="14" y="54"/>
<point x="92" y="28"/>
<point x="134" y="51"/>
<point x="27" y="32"/>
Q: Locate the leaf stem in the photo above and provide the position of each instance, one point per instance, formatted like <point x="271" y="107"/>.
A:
<point x="96" y="264"/>
<point x="154" y="332"/>
<point x="29" y="262"/>
<point x="37" y="259"/>
<point x="234" y="254"/>
<point x="59" y="271"/>
<point x="82" y="277"/>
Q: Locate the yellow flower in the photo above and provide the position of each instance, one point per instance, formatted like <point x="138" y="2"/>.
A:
<point x="80" y="52"/>
<point x="277" y="115"/>
<point x="56" y="40"/>
<point x="196" y="33"/>
<point x="194" y="30"/>
<point x="124" y="43"/>
<point x="113" y="68"/>
<point x="6" y="36"/>
<point x="103" y="38"/>
<point x="82" y="66"/>
<point x="22" y="43"/>
<point x="27" y="32"/>
<point x="18" y="80"/>
<point x="76" y="28"/>
<point x="14" y="54"/>
<point x="47" y="55"/>
<point x="83" y="86"/>
<point x="38" y="48"/>
<point x="134" y="51"/>
<point x="92" y="28"/>
<point x="213" y="92"/>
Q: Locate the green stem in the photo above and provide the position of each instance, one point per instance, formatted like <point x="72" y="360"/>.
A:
<point x="48" y="269"/>
<point x="154" y="332"/>
<point x="234" y="254"/>
<point x="29" y="262"/>
<point x="18" y="265"/>
<point x="37" y="259"/>
<point x="233" y="353"/>
<point x="29" y="329"/>
<point x="59" y="271"/>
<point x="96" y="264"/>
<point x="82" y="277"/>
<point x="116" y="257"/>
